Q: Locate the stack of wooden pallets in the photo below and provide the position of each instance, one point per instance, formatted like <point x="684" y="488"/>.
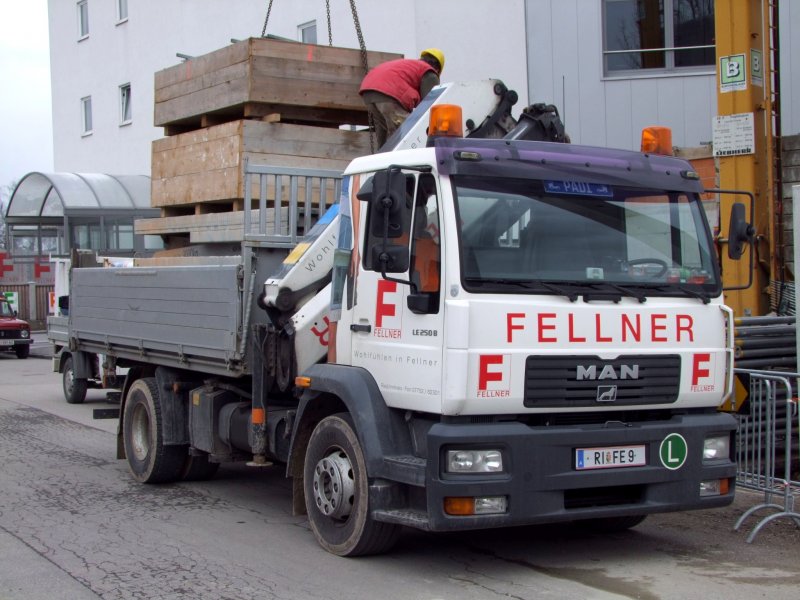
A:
<point x="271" y="102"/>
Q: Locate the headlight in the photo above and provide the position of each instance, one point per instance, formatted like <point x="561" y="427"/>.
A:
<point x="25" y="333"/>
<point x="474" y="461"/>
<point x="717" y="447"/>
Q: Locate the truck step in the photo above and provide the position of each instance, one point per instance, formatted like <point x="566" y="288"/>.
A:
<point x="406" y="469"/>
<point x="407" y="517"/>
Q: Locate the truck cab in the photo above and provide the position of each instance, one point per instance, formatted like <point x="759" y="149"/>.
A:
<point x="15" y="333"/>
<point x="546" y="323"/>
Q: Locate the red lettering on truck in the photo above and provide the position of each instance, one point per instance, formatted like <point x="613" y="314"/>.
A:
<point x="484" y="374"/>
<point x="546" y="326"/>
<point x="553" y="327"/>
<point x="510" y="326"/>
<point x="383" y="308"/>
<point x="698" y="371"/>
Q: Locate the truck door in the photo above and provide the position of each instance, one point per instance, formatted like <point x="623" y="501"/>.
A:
<point x="397" y="330"/>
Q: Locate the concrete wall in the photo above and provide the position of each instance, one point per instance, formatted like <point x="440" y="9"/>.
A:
<point x="477" y="44"/>
<point x="566" y="68"/>
<point x="790" y="67"/>
<point x="547" y="50"/>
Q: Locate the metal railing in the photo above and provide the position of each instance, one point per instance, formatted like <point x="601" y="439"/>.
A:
<point x="290" y="200"/>
<point x="768" y="441"/>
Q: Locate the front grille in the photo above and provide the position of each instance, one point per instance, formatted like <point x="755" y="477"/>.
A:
<point x="10" y="334"/>
<point x="579" y="381"/>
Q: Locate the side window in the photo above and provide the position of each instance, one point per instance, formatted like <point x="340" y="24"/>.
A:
<point x="425" y="242"/>
<point x="83" y="19"/>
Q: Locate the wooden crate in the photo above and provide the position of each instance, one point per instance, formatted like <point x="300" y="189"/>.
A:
<point x="255" y="77"/>
<point x="205" y="166"/>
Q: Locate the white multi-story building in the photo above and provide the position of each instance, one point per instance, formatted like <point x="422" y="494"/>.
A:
<point x="611" y="66"/>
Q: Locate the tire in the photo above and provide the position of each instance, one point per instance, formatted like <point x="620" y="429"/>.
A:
<point x="612" y="524"/>
<point x="23" y="350"/>
<point x="198" y="468"/>
<point x="74" y="389"/>
<point x="149" y="460"/>
<point x="337" y="492"/>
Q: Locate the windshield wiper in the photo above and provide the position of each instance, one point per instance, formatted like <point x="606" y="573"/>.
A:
<point x="695" y="294"/>
<point x="528" y="285"/>
<point x="688" y="291"/>
<point x="640" y="296"/>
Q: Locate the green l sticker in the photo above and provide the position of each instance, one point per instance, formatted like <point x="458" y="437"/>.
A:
<point x="673" y="451"/>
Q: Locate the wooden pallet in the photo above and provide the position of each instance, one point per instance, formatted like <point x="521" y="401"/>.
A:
<point x="204" y="167"/>
<point x="257" y="77"/>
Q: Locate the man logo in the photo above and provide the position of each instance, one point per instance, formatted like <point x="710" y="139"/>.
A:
<point x="608" y="372"/>
<point x="606" y="393"/>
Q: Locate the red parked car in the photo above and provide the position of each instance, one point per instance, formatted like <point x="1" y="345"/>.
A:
<point x="15" y="334"/>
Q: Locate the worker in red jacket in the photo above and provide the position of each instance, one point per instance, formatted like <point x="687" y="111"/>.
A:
<point x="392" y="89"/>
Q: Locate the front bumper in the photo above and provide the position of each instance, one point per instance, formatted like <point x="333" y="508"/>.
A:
<point x="11" y="342"/>
<point x="541" y="483"/>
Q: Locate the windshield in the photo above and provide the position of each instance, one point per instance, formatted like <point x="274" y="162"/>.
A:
<point x="593" y="236"/>
<point x="5" y="309"/>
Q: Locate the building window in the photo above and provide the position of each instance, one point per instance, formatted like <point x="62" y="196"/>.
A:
<point x="83" y="19"/>
<point x="647" y="36"/>
<point x="125" y="111"/>
<point x="122" y="10"/>
<point x="307" y="32"/>
<point x="86" y="115"/>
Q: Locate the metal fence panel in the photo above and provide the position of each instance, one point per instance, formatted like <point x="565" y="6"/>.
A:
<point x="768" y="446"/>
<point x="290" y="200"/>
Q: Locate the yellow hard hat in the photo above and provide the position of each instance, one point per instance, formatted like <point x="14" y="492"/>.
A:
<point x="435" y="53"/>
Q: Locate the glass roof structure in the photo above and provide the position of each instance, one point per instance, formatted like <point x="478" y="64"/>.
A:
<point x="47" y="198"/>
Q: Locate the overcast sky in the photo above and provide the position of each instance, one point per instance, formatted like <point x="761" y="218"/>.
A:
<point x="26" y="133"/>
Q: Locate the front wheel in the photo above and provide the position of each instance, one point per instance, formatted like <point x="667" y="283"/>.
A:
<point x="22" y="350"/>
<point x="149" y="459"/>
<point x="74" y="389"/>
<point x="337" y="492"/>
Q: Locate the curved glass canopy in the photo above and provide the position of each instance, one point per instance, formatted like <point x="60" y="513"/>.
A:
<point x="42" y="196"/>
<point x="53" y="213"/>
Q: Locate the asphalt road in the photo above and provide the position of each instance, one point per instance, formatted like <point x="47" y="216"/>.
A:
<point x="74" y="525"/>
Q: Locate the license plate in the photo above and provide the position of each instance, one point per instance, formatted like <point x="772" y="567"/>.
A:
<point x="6" y="342"/>
<point x="612" y="457"/>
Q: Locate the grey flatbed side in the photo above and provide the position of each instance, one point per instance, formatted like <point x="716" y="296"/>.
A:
<point x="58" y="330"/>
<point x="187" y="317"/>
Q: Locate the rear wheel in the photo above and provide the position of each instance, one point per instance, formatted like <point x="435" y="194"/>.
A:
<point x="337" y="492"/>
<point x="149" y="459"/>
<point x="74" y="389"/>
<point x="22" y="350"/>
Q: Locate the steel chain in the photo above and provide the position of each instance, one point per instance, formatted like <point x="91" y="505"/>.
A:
<point x="365" y="64"/>
<point x="266" y="20"/>
<point x="328" y="12"/>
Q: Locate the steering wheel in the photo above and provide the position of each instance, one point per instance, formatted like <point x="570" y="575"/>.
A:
<point x="651" y="261"/>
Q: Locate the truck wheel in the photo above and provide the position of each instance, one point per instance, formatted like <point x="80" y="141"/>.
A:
<point x="23" y="351"/>
<point x="150" y="461"/>
<point x="613" y="524"/>
<point x="198" y="468"/>
<point x="74" y="389"/>
<point x="337" y="492"/>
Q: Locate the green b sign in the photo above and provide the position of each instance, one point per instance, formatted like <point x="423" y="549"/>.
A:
<point x="673" y="451"/>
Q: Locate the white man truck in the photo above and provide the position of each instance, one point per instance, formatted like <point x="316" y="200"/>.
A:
<point x="480" y="333"/>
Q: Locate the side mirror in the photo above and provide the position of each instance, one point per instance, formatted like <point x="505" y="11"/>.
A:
<point x="423" y="303"/>
<point x="389" y="259"/>
<point x="387" y="200"/>
<point x="740" y="232"/>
